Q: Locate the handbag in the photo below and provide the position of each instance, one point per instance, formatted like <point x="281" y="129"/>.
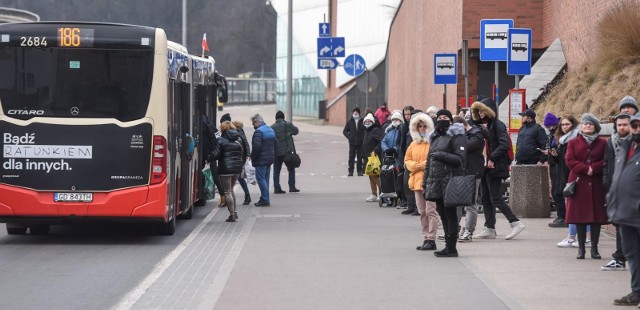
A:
<point x="460" y="191"/>
<point x="291" y="158"/>
<point x="570" y="189"/>
<point x="373" y="165"/>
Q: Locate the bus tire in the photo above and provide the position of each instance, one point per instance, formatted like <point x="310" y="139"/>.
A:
<point x="188" y="214"/>
<point x="39" y="229"/>
<point x="168" y="228"/>
<point x="16" y="229"/>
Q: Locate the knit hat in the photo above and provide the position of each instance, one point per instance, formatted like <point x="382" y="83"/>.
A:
<point x="629" y="101"/>
<point x="550" y="120"/>
<point x="432" y="109"/>
<point x="279" y="115"/>
<point x="396" y="115"/>
<point x="369" y="117"/>
<point x="590" y="118"/>
<point x="445" y="112"/>
<point x="225" y="117"/>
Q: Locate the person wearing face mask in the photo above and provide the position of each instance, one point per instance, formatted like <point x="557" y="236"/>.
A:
<point x="392" y="141"/>
<point x="622" y="207"/>
<point x="447" y="157"/>
<point x="371" y="143"/>
<point x="354" y="132"/>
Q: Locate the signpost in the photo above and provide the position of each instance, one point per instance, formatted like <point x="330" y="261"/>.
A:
<point x="328" y="49"/>
<point x="519" y="56"/>
<point x="445" y="71"/>
<point x="327" y="63"/>
<point x="324" y="29"/>
<point x="517" y="102"/>
<point x="354" y="65"/>
<point x="493" y="45"/>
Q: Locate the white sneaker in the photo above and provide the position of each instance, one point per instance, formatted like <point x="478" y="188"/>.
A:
<point x="566" y="243"/>
<point x="372" y="198"/>
<point x="516" y="228"/>
<point x="467" y="236"/>
<point x="587" y="244"/>
<point x="487" y="233"/>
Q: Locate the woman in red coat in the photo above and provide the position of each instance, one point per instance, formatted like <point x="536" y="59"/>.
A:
<point x="585" y="159"/>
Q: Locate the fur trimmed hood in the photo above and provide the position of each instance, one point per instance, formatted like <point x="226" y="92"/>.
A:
<point x="455" y="129"/>
<point x="478" y="106"/>
<point x="413" y="126"/>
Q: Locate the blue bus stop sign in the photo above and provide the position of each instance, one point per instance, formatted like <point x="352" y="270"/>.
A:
<point x="493" y="39"/>
<point x="519" y="56"/>
<point x="354" y="65"/>
<point x="445" y="68"/>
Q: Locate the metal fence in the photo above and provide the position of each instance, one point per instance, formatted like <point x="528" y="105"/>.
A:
<point x="252" y="91"/>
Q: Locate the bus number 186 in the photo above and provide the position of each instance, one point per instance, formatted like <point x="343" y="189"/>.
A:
<point x="69" y="37"/>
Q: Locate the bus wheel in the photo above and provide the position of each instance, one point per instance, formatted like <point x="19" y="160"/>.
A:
<point x="16" y="229"/>
<point x="39" y="229"/>
<point x="169" y="227"/>
<point x="187" y="215"/>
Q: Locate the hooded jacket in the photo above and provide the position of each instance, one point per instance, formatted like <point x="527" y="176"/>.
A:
<point x="284" y="133"/>
<point x="229" y="153"/>
<point x="531" y="136"/>
<point x="392" y="140"/>
<point x="623" y="204"/>
<point x="476" y="137"/>
<point x="417" y="151"/>
<point x="498" y="142"/>
<point x="372" y="138"/>
<point x="447" y="157"/>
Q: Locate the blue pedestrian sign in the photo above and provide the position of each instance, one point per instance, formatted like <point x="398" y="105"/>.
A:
<point x="327" y="63"/>
<point x="331" y="47"/>
<point x="493" y="39"/>
<point x="444" y="68"/>
<point x="324" y="30"/>
<point x="519" y="56"/>
<point x="354" y="65"/>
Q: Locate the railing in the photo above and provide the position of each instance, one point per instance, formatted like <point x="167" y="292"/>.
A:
<point x="252" y="91"/>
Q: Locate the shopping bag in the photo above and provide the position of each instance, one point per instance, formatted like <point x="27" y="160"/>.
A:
<point x="373" y="165"/>
<point x="250" y="173"/>
<point x="209" y="192"/>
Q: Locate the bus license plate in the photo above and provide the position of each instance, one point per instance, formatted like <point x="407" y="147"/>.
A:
<point x="73" y="197"/>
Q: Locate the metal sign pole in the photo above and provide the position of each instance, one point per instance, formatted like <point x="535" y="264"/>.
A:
<point x="497" y="81"/>
<point x="517" y="81"/>
<point x="367" y="91"/>
<point x="445" y="98"/>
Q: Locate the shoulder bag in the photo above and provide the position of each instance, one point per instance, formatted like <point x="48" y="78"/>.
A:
<point x="570" y="189"/>
<point x="291" y="158"/>
<point x="461" y="190"/>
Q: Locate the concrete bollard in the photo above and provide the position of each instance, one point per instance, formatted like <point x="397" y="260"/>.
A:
<point x="529" y="191"/>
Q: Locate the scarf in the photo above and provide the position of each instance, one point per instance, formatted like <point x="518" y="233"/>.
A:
<point x="590" y="138"/>
<point x="616" y="140"/>
<point x="568" y="136"/>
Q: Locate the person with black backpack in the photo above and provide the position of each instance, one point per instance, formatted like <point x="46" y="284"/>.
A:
<point x="497" y="163"/>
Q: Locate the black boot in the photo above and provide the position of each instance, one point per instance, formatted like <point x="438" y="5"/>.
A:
<point x="449" y="249"/>
<point x="247" y="200"/>
<point x="595" y="238"/>
<point x="582" y="236"/>
<point x="420" y="247"/>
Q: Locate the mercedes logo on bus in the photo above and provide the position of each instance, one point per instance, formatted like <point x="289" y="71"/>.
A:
<point x="75" y="111"/>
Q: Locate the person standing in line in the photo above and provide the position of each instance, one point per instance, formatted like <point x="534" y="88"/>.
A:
<point x="371" y="144"/>
<point x="532" y="141"/>
<point x="284" y="134"/>
<point x="415" y="159"/>
<point x="622" y="133"/>
<point x="447" y="157"/>
<point x="431" y="111"/>
<point x="382" y="114"/>
<point x="392" y="141"/>
<point x="622" y="207"/>
<point x="263" y="155"/>
<point x="496" y="170"/>
<point x="476" y="136"/>
<point x="585" y="159"/>
<point x="354" y="132"/>
<point x="229" y="154"/>
<point x="247" y="155"/>
<point x="409" y="197"/>
<point x="628" y="105"/>
<point x="557" y="182"/>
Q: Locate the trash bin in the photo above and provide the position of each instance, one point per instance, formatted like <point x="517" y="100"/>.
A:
<point x="529" y="191"/>
<point x="322" y="109"/>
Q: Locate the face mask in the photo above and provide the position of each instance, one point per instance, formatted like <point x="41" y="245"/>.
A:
<point x="395" y="123"/>
<point x="356" y="116"/>
<point x="367" y="125"/>
<point x="635" y="137"/>
<point x="443" y="125"/>
<point x="422" y="135"/>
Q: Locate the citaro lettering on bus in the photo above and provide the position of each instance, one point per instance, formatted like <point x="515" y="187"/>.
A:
<point x="25" y="112"/>
<point x="27" y="138"/>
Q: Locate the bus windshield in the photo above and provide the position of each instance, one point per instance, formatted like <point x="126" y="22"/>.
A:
<point x="76" y="83"/>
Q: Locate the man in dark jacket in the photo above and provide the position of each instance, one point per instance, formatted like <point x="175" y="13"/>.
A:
<point x="622" y="207"/>
<point x="409" y="196"/>
<point x="263" y="155"/>
<point x="284" y="134"/>
<point x="496" y="170"/>
<point x="532" y="141"/>
<point x="354" y="132"/>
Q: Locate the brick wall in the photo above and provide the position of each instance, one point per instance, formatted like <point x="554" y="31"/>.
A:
<point x="335" y="113"/>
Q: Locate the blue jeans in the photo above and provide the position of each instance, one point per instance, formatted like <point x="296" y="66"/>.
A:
<point x="277" y="167"/>
<point x="245" y="188"/>
<point x="573" y="230"/>
<point x="262" y="177"/>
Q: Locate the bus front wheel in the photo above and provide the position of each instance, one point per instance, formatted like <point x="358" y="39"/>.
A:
<point x="169" y="228"/>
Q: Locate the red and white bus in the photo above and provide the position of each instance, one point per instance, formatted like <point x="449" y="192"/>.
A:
<point x="100" y="122"/>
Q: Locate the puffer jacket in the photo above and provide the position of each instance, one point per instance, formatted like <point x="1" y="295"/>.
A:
<point x="417" y="151"/>
<point x="447" y="158"/>
<point x="475" y="159"/>
<point x="531" y="137"/>
<point x="229" y="153"/>
<point x="263" y="146"/>
<point x="623" y="199"/>
<point x="372" y="138"/>
<point x="392" y="141"/>
<point x="284" y="133"/>
<point x="498" y="142"/>
<point x="245" y="145"/>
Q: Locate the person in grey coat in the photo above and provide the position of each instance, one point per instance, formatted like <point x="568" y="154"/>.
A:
<point x="623" y="202"/>
<point x="284" y="134"/>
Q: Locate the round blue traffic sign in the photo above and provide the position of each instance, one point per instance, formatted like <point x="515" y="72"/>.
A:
<point x="354" y="65"/>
